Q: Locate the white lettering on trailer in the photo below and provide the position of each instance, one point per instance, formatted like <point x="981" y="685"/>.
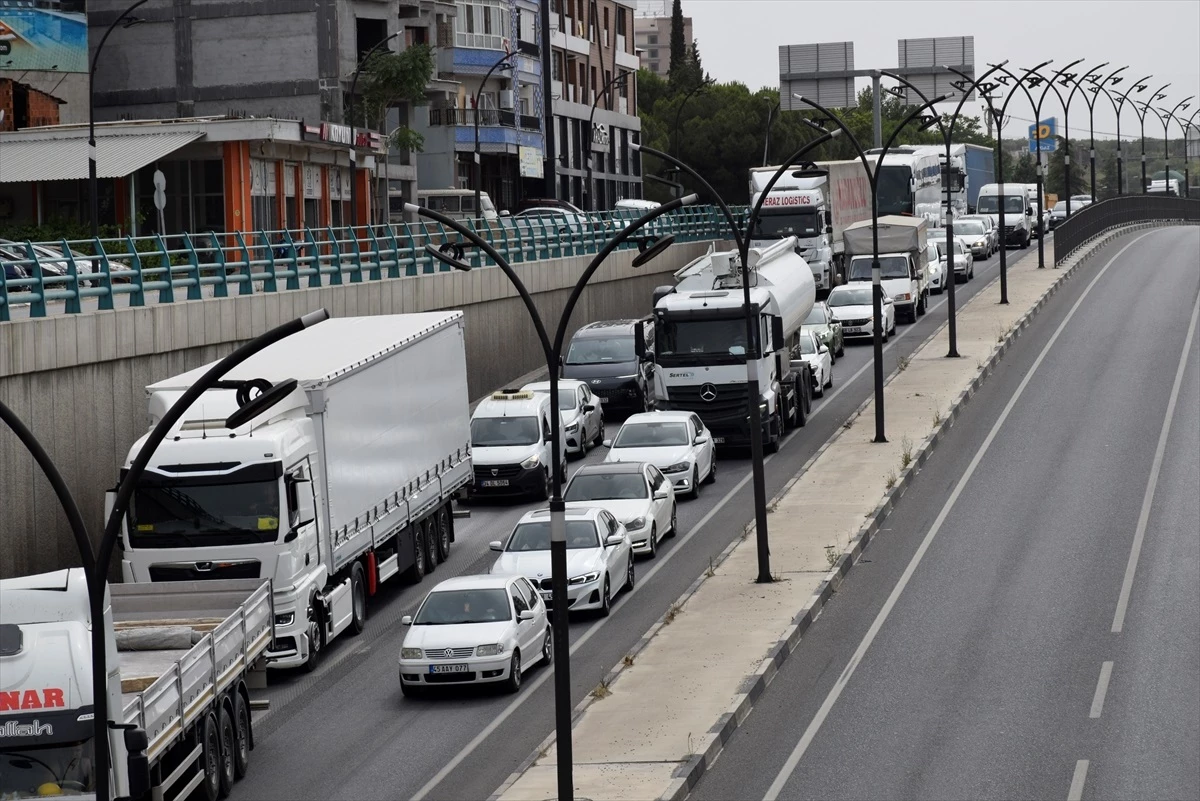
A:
<point x="787" y="200"/>
<point x="34" y="729"/>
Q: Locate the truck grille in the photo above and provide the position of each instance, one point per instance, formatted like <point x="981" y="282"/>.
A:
<point x="730" y="399"/>
<point x="218" y="570"/>
<point x="484" y="472"/>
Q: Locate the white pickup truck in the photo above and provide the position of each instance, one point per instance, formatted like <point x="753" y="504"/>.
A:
<point x="903" y="260"/>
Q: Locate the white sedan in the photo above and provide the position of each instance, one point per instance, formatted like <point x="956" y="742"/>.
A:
<point x="852" y="305"/>
<point x="580" y="412"/>
<point x="635" y="493"/>
<point x="599" y="557"/>
<point x="475" y="629"/>
<point x="674" y="442"/>
<point x="819" y="359"/>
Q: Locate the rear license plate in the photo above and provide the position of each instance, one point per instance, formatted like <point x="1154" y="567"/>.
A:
<point x="494" y="482"/>
<point x="718" y="440"/>
<point x="547" y="595"/>
<point x="449" y="668"/>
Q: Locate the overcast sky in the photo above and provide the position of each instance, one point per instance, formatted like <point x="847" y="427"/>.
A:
<point x="739" y="41"/>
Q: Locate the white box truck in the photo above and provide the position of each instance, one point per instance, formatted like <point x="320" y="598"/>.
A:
<point x="700" y="343"/>
<point x="903" y="260"/>
<point x="180" y="658"/>
<point x="346" y="482"/>
<point x="814" y="203"/>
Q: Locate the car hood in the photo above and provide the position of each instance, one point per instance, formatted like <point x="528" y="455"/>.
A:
<point x="501" y="454"/>
<point x="456" y="635"/>
<point x="852" y="312"/>
<point x="586" y="372"/>
<point x="623" y="510"/>
<point x="813" y="359"/>
<point x="660" y="457"/>
<point x="535" y="565"/>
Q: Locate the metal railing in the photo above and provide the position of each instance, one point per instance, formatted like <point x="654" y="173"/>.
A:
<point x="1096" y="218"/>
<point x="56" y="277"/>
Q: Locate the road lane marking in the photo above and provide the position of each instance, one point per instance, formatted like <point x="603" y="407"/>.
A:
<point x="1076" y="791"/>
<point x="855" y="661"/>
<point x="1139" y="534"/>
<point x="1101" y="690"/>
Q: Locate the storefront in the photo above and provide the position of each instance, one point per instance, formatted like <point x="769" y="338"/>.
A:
<point x="219" y="175"/>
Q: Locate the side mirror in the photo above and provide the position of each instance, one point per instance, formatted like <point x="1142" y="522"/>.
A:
<point x="701" y="439"/>
<point x="136" y="743"/>
<point x="614" y="539"/>
<point x="591" y="407"/>
<point x="639" y="342"/>
<point x="525" y="614"/>
<point x="823" y="349"/>
<point x="406" y="620"/>
<point x="607" y="443"/>
<point x="778" y="341"/>
<point x="496" y="545"/>
<point x="828" y="218"/>
<point x="662" y="493"/>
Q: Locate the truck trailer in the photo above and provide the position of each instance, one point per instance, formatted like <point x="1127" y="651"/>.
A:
<point x="346" y="482"/>
<point x="181" y="658"/>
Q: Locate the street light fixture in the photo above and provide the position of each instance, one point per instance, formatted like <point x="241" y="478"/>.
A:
<point x="1075" y="81"/>
<point x="125" y="20"/>
<point x="1041" y="167"/>
<point x="1095" y="84"/>
<point x="1155" y="95"/>
<point x="477" y="169"/>
<point x="552" y="349"/>
<point x="1165" y="117"/>
<point x="353" y="137"/>
<point x="1118" y="104"/>
<point x="1183" y="125"/>
<point x="620" y="78"/>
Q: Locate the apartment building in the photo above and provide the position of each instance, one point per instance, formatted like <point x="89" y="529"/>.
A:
<point x="652" y="37"/>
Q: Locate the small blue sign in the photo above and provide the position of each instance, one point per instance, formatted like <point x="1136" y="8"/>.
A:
<point x="1047" y="132"/>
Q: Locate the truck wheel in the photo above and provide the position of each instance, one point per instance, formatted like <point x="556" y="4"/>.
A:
<point x="316" y="639"/>
<point x="431" y="558"/>
<point x="801" y="406"/>
<point x="241" y="731"/>
<point x="442" y="532"/>
<point x="358" y="599"/>
<point x="228" y="745"/>
<point x="417" y="571"/>
<point x="543" y="492"/>
<point x="776" y="425"/>
<point x="210" y="758"/>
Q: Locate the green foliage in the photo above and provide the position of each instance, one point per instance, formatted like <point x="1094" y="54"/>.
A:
<point x="387" y="78"/>
<point x="1021" y="170"/>
<point x="678" y="41"/>
<point x="1056" y="172"/>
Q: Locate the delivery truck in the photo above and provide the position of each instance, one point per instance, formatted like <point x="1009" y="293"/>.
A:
<point x="903" y="260"/>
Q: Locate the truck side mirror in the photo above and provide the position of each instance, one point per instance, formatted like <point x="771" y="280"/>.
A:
<point x="139" y="765"/>
<point x="828" y="217"/>
<point x="639" y="341"/>
<point x="777" y="339"/>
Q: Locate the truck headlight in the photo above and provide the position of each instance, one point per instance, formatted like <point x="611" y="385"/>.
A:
<point x="678" y="467"/>
<point x="410" y="653"/>
<point x="586" y="578"/>
<point x="903" y="296"/>
<point x="494" y="649"/>
<point x="285" y="619"/>
<point x="531" y="462"/>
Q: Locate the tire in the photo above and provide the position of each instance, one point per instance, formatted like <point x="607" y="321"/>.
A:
<point x="801" y="411"/>
<point x="358" y="599"/>
<point x="711" y="478"/>
<point x="922" y="304"/>
<point x="630" y="578"/>
<point x="548" y="649"/>
<point x="543" y="493"/>
<point x="841" y="351"/>
<point x="674" y="524"/>
<point x="431" y="560"/>
<point x="442" y="529"/>
<point x="416" y="571"/>
<point x="695" y="481"/>
<point x="605" y="599"/>
<point x="210" y="758"/>
<point x="599" y="440"/>
<point x="513" y="685"/>
<point x="243" y="735"/>
<point x="819" y="391"/>
<point x="228" y="746"/>
<point x="316" y="639"/>
<point x="653" y="540"/>
<point x="886" y="335"/>
<point x="829" y="383"/>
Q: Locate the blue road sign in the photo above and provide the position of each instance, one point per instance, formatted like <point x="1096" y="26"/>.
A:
<point x="1046" y="130"/>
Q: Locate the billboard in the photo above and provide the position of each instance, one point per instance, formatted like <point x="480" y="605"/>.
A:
<point x="46" y="35"/>
<point x="930" y="54"/>
<point x="822" y="72"/>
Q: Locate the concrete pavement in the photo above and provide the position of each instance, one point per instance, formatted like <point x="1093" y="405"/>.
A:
<point x="663" y="714"/>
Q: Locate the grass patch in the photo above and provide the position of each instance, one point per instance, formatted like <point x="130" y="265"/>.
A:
<point x="891" y="480"/>
<point x="831" y="555"/>
<point x="903" y="364"/>
<point x="601" y="690"/>
<point x="906" y="452"/>
<point x="672" y="613"/>
<point x="627" y="661"/>
<point x="937" y="417"/>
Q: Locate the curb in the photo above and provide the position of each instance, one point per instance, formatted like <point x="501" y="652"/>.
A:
<point x="694" y="765"/>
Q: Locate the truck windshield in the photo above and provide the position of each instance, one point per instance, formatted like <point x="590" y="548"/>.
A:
<point x="174" y="513"/>
<point x="889" y="266"/>
<point x="39" y="771"/>
<point x="499" y="432"/>
<point x="702" y="341"/>
<point x="776" y="223"/>
<point x="895" y="190"/>
<point x="597" y="350"/>
<point x="990" y="204"/>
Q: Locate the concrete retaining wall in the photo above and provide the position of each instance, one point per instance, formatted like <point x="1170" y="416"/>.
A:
<point x="78" y="380"/>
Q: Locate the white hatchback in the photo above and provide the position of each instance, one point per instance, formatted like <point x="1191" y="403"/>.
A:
<point x="473" y="629"/>
<point x="674" y="442"/>
<point x="813" y="351"/>
<point x="635" y="493"/>
<point x="580" y="412"/>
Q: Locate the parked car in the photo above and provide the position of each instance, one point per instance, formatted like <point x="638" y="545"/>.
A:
<point x="473" y="630"/>
<point x="674" y="442"/>
<point x="820" y="359"/>
<point x="820" y="321"/>
<point x="580" y="412"/>
<point x="636" y="493"/>
<point x="599" y="557"/>
<point x="614" y="358"/>
<point x="852" y="306"/>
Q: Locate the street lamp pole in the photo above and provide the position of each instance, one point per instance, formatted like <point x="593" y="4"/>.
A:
<point x="620" y="77"/>
<point x="1069" y="79"/>
<point x="1165" y="118"/>
<point x="353" y="136"/>
<point x="1041" y="167"/>
<point x="1096" y="83"/>
<point x="558" y="542"/>
<point x="771" y="109"/>
<point x="477" y="168"/>
<point x="125" y="21"/>
<point x="1138" y="86"/>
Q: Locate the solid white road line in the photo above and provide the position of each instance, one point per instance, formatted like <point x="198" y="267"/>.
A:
<point x="1076" y="791"/>
<point x="815" y="725"/>
<point x="1101" y="690"/>
<point x="1139" y="533"/>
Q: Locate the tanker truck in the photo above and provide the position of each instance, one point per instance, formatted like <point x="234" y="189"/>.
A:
<point x="700" y="343"/>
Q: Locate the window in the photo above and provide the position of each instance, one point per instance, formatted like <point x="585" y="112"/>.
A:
<point x="529" y="591"/>
<point x="312" y="195"/>
<point x="651" y="39"/>
<point x="518" y="599"/>
<point x="654" y="54"/>
<point x="263" y="194"/>
<point x="620" y="22"/>
<point x="482" y="24"/>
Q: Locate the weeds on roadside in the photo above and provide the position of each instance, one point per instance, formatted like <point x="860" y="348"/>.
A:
<point x="672" y="613"/>
<point x="712" y="569"/>
<point x="902" y="365"/>
<point x="937" y="417"/>
<point x="601" y="690"/>
<point x="906" y="452"/>
<point x="627" y="661"/>
<point x="891" y="480"/>
<point x="831" y="555"/>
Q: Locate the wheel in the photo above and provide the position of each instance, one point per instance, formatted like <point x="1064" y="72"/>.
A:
<point x="548" y="649"/>
<point x="922" y="300"/>
<point x="886" y="334"/>
<point x="228" y="746"/>
<point x="417" y="571"/>
<point x="431" y="560"/>
<point x="605" y="600"/>
<point x="241" y="731"/>
<point x="599" y="440"/>
<point x="801" y="408"/>
<point x="653" y="540"/>
<point x="441" y="531"/>
<point x="210" y="742"/>
<point x="674" y="524"/>
<point x="695" y="481"/>
<point x="543" y="492"/>
<point x="841" y="350"/>
<point x="316" y="639"/>
<point x="829" y="383"/>
<point x="358" y="599"/>
<point x="629" y="577"/>
<point x="712" y="470"/>
<point x="818" y="388"/>
<point x="513" y="684"/>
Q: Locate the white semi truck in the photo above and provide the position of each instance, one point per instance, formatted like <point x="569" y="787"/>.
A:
<point x="701" y="350"/>
<point x="343" y="484"/>
<point x="181" y="658"/>
<point x="903" y="263"/>
<point x="813" y="204"/>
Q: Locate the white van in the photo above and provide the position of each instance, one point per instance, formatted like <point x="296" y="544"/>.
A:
<point x="458" y="204"/>
<point x="510" y="445"/>
<point x="1020" y="214"/>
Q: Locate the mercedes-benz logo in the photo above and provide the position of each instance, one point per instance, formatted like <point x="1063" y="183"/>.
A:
<point x="708" y="393"/>
<point x="495" y="471"/>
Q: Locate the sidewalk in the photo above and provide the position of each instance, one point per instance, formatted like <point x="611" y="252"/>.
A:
<point x="662" y="715"/>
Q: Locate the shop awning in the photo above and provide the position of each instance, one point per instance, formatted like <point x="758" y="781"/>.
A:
<point x="57" y="159"/>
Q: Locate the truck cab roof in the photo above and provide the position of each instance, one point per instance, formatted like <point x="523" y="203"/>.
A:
<point x="513" y="403"/>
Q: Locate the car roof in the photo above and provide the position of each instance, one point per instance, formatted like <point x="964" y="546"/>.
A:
<point x="528" y="407"/>
<point x="606" y="468"/>
<point x="658" y="417"/>
<point x="606" y="327"/>
<point x="576" y="512"/>
<point x="563" y="384"/>
<point x="475" y="582"/>
<point x="542" y="210"/>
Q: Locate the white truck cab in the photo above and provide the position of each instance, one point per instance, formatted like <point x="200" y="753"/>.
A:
<point x="510" y="444"/>
<point x="903" y="260"/>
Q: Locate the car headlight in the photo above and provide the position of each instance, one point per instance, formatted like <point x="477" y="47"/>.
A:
<point x="979" y="244"/>
<point x="495" y="649"/>
<point x="635" y="524"/>
<point x="903" y="296"/>
<point x="678" y="467"/>
<point x="585" y="578"/>
<point x="286" y="619"/>
<point x="572" y="428"/>
<point x="410" y="653"/>
<point x="531" y="462"/>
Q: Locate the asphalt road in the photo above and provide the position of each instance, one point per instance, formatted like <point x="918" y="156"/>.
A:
<point x="1026" y="627"/>
<point x="346" y="731"/>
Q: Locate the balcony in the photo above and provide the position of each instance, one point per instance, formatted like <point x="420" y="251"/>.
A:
<point x="502" y="118"/>
<point x="528" y="48"/>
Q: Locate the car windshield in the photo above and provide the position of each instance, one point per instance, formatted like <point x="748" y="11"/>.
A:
<point x="682" y="341"/>
<point x="601" y="350"/>
<point x="970" y="228"/>
<point x="450" y="607"/>
<point x="166" y="514"/>
<point x="566" y="395"/>
<point x="816" y="317"/>
<point x="890" y="267"/>
<point x="806" y="346"/>
<point x="651" y="435"/>
<point x="535" y="536"/>
<point x="498" y="432"/>
<point x="607" y="487"/>
<point x="850" y="297"/>
<point x="1013" y="204"/>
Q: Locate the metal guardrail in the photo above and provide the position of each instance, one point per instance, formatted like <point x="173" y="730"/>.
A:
<point x="57" y="276"/>
<point x="1096" y="218"/>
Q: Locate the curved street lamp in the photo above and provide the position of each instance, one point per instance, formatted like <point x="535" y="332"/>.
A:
<point x="1072" y="80"/>
<point x="622" y="78"/>
<point x="1035" y="79"/>
<point x="125" y="21"/>
<point x="1184" y="125"/>
<point x="1092" y="93"/>
<point x="353" y="137"/>
<point x="1118" y="104"/>
<point x="679" y="111"/>
<point x="552" y="349"/>
<point x="1165" y="118"/>
<point x="477" y="168"/>
<point x="1157" y="94"/>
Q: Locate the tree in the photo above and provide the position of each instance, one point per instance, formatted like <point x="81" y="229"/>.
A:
<point x="1106" y="174"/>
<point x="388" y="78"/>
<point x="1021" y="170"/>
<point x="678" y="41"/>
<point x="1056" y="172"/>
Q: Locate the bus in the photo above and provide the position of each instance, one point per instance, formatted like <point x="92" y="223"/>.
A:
<point x="910" y="183"/>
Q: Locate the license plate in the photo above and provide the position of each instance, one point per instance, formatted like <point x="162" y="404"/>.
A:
<point x="494" y="482"/>
<point x="851" y="330"/>
<point x="718" y="440"/>
<point x="449" y="668"/>
<point x="547" y="595"/>
<point x="602" y="400"/>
